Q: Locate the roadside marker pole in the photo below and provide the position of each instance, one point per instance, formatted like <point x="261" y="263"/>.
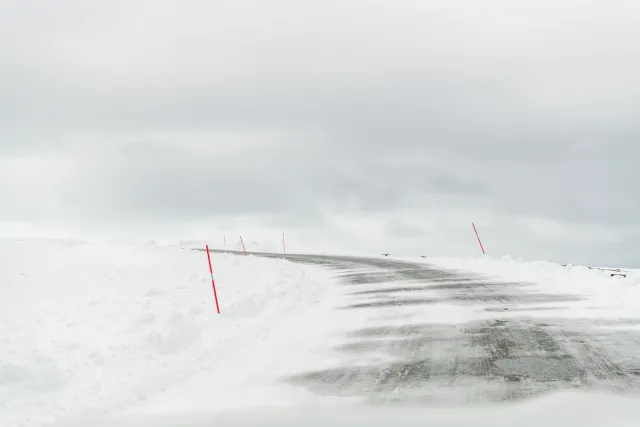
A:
<point x="213" y="283"/>
<point x="478" y="236"/>
<point x="224" y="236"/>
<point x="242" y="241"/>
<point x="284" y="247"/>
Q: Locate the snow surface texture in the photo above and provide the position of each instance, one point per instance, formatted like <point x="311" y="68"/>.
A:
<point x="131" y="331"/>
<point x="274" y="245"/>
<point x="86" y="329"/>
<point x="561" y="410"/>
<point x="619" y="294"/>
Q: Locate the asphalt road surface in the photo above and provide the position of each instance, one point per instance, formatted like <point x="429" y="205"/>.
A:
<point x="506" y="356"/>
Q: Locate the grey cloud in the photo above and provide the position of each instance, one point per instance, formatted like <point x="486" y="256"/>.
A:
<point x="297" y="65"/>
<point x="402" y="229"/>
<point x="170" y="179"/>
<point x="525" y="108"/>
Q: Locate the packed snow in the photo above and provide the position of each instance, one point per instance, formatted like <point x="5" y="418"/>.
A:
<point x="615" y="291"/>
<point x="88" y="329"/>
<point x="131" y="330"/>
<point x="569" y="409"/>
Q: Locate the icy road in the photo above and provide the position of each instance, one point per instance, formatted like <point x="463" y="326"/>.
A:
<point x="518" y="342"/>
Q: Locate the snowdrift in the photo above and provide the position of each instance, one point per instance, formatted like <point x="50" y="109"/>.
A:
<point x="90" y="330"/>
<point x="580" y="277"/>
<point x="617" y="289"/>
<point x="93" y="328"/>
<point x="565" y="409"/>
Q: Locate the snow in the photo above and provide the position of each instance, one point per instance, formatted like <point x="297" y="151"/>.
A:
<point x="89" y="329"/>
<point x="131" y="331"/>
<point x="540" y="271"/>
<point x="618" y="296"/>
<point x="567" y="409"/>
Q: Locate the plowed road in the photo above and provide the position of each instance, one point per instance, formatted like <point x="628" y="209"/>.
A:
<point x="522" y="346"/>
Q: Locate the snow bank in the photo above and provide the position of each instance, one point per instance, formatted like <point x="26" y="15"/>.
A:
<point x="562" y="409"/>
<point x="541" y="271"/>
<point x="551" y="277"/>
<point x="234" y="244"/>
<point x="86" y="329"/>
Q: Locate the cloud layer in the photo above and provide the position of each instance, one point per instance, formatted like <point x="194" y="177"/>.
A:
<point x="408" y="119"/>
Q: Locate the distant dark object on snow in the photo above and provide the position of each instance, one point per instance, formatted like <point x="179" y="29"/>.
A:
<point x="423" y="256"/>
<point x="386" y="254"/>
<point x="615" y="271"/>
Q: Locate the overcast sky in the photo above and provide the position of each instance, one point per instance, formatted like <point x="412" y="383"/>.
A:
<point x="379" y="125"/>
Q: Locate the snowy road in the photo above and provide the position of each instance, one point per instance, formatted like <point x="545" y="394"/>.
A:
<point x="129" y="335"/>
<point x="417" y="332"/>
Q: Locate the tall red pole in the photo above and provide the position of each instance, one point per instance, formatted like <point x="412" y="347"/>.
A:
<point x="213" y="283"/>
<point x="478" y="236"/>
<point x="243" y="248"/>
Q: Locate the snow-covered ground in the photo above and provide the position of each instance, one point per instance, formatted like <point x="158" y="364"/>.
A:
<point x="613" y="294"/>
<point x="568" y="409"/>
<point x="88" y="329"/>
<point x="132" y="330"/>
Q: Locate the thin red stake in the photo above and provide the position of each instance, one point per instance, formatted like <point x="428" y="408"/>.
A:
<point x="478" y="236"/>
<point x="213" y="283"/>
<point x="284" y="247"/>
<point x="242" y="241"/>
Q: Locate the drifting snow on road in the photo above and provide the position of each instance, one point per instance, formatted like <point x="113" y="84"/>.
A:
<point x="130" y="334"/>
<point x="421" y="332"/>
<point x="440" y="335"/>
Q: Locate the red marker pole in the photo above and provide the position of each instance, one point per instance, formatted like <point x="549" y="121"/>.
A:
<point x="213" y="283"/>
<point x="284" y="247"/>
<point x="478" y="236"/>
<point x="242" y="241"/>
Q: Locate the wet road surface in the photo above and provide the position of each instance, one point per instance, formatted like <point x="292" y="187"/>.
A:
<point x="507" y="354"/>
